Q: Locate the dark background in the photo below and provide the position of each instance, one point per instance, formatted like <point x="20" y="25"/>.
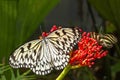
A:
<point x="20" y="22"/>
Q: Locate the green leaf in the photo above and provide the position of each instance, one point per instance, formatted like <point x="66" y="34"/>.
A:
<point x="115" y="68"/>
<point x="3" y="77"/>
<point x="110" y="28"/>
<point x="12" y="74"/>
<point x="108" y="9"/>
<point x="18" y="20"/>
<point x="4" y="68"/>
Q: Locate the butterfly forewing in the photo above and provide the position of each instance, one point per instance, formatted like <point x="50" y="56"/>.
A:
<point x="41" y="56"/>
<point x="25" y="55"/>
<point x="66" y="38"/>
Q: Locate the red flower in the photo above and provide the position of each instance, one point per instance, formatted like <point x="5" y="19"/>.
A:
<point x="44" y="34"/>
<point x="53" y="28"/>
<point x="88" y="51"/>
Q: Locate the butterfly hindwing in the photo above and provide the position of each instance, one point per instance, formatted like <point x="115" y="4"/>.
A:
<point x="43" y="63"/>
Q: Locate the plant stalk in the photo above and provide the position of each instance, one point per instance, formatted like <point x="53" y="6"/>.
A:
<point x="64" y="72"/>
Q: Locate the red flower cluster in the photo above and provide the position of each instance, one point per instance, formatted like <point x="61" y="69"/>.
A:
<point x="44" y="34"/>
<point x="88" y="51"/>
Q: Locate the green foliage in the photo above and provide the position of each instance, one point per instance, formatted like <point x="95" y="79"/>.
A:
<point x="18" y="20"/>
<point x="115" y="68"/>
<point x="109" y="10"/>
<point x="5" y="69"/>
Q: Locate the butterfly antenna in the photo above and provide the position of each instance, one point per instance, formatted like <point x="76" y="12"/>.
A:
<point x="40" y="32"/>
<point x="100" y="30"/>
<point x="40" y="29"/>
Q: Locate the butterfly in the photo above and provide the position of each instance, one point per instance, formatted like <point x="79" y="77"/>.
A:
<point x="50" y="52"/>
<point x="106" y="40"/>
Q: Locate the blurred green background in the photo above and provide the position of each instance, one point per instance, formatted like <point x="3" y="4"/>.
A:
<point x="20" y="21"/>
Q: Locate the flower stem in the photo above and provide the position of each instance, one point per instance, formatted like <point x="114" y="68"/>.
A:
<point x="64" y="72"/>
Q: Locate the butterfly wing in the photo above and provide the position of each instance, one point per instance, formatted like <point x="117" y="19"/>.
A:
<point x="25" y="55"/>
<point x="41" y="56"/>
<point x="33" y="55"/>
<point x="43" y="62"/>
<point x="55" y="49"/>
<point x="61" y="43"/>
<point x="108" y="40"/>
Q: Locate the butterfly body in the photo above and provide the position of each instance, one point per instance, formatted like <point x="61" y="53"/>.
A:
<point x="44" y="55"/>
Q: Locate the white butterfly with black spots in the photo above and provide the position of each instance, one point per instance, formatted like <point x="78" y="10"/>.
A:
<point x="44" y="55"/>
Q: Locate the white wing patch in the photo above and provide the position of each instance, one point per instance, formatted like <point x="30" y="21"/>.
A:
<point x="26" y="55"/>
<point x="52" y="52"/>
